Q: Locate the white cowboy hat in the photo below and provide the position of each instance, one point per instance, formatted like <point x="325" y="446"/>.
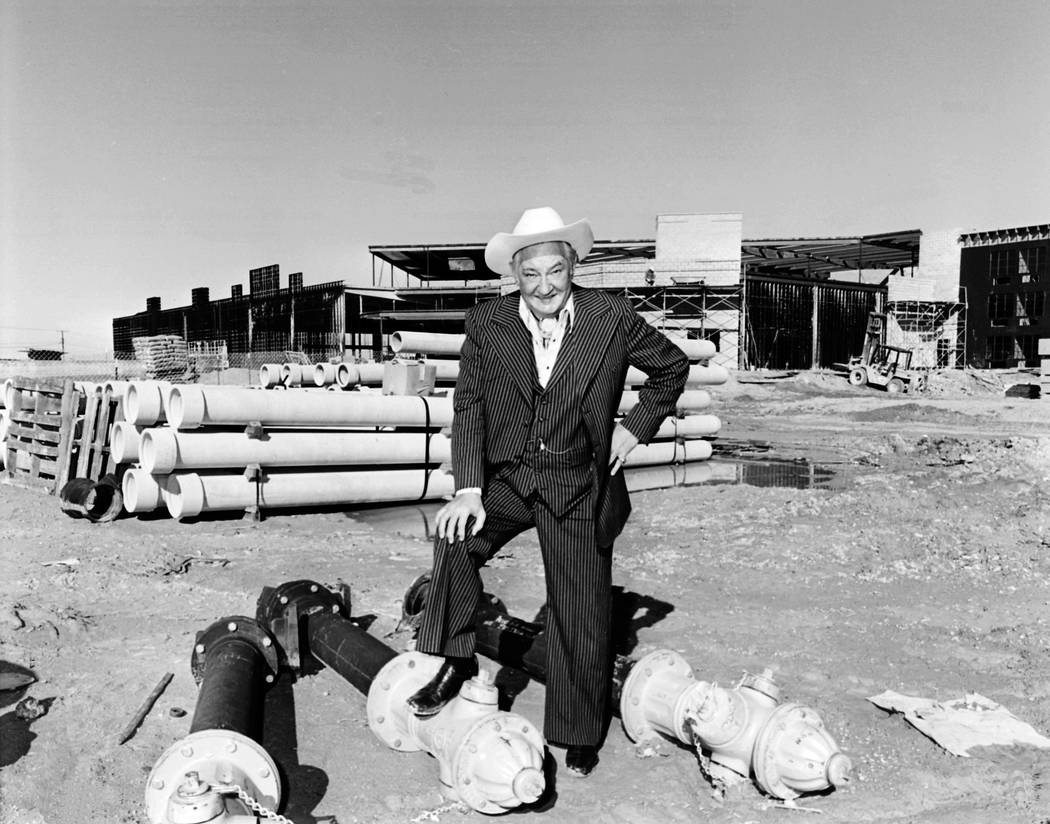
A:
<point x="541" y="225"/>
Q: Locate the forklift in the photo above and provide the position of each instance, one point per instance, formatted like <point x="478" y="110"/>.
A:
<point x="882" y="365"/>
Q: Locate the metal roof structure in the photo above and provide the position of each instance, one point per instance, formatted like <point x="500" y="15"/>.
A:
<point x="798" y="257"/>
<point x="1019" y="234"/>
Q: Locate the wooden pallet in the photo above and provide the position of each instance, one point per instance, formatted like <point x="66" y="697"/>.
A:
<point x="40" y="437"/>
<point x="92" y="444"/>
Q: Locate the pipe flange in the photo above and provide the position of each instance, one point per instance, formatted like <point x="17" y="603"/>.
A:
<point x="283" y="610"/>
<point x="388" y="713"/>
<point x="307" y="597"/>
<point x="640" y="680"/>
<point x="498" y="766"/>
<point x="795" y="754"/>
<point x="233" y="628"/>
<point x="414" y="602"/>
<point x="219" y="757"/>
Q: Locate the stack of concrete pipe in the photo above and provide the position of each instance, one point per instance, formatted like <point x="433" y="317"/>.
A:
<point x="196" y="448"/>
<point x="442" y="352"/>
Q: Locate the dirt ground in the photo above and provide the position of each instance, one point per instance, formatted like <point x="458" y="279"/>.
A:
<point x="854" y="542"/>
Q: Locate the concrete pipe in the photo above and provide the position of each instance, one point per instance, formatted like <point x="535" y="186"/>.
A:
<point x="491" y="761"/>
<point x="165" y="450"/>
<point x="116" y="389"/>
<point x="233" y="661"/>
<point x="143" y="492"/>
<point x="426" y="343"/>
<point x="691" y="426"/>
<point x="144" y="402"/>
<point x="669" y="452"/>
<point x="695" y="350"/>
<point x="372" y="374"/>
<point x="691" y="400"/>
<point x="346" y="375"/>
<point x="124" y="441"/>
<point x="295" y="374"/>
<point x="269" y="375"/>
<point x="324" y="374"/>
<point x="193" y="406"/>
<point x="349" y="375"/>
<point x="699" y="375"/>
<point x="6" y="390"/>
<point x="190" y="494"/>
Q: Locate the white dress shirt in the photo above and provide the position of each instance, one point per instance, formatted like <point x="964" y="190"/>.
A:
<point x="547" y="338"/>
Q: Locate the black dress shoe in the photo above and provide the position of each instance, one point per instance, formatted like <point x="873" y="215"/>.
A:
<point x="581" y="760"/>
<point x="443" y="687"/>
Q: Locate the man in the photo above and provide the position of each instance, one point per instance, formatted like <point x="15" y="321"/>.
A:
<point x="534" y="444"/>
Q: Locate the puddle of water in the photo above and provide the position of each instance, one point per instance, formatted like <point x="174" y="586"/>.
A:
<point x="777" y="473"/>
<point x="739" y="462"/>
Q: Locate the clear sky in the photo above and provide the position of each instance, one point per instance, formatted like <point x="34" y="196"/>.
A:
<point x="150" y="147"/>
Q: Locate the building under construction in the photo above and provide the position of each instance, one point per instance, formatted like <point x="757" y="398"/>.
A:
<point x="767" y="303"/>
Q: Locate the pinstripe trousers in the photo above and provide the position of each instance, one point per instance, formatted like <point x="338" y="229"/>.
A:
<point x="578" y="578"/>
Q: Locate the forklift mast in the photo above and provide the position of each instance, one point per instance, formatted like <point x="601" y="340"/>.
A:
<point x="874" y="337"/>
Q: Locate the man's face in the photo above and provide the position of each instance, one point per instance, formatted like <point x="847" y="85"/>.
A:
<point x="544" y="275"/>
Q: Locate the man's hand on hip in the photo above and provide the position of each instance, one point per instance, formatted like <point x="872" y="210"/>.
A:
<point x="452" y="518"/>
<point x="622" y="444"/>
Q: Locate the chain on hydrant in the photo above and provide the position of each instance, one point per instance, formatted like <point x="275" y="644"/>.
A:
<point x="490" y="760"/>
<point x="743" y="730"/>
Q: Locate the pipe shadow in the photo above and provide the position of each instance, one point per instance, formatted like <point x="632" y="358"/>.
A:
<point x="15" y="738"/>
<point x="306" y="784"/>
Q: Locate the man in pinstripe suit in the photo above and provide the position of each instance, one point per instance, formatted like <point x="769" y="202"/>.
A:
<point x="534" y="445"/>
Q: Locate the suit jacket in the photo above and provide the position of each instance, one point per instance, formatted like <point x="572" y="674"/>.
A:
<point x="495" y="391"/>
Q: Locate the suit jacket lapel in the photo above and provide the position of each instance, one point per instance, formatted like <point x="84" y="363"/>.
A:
<point x="514" y="345"/>
<point x="585" y="347"/>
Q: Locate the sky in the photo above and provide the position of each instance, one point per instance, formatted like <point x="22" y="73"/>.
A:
<point x="150" y="147"/>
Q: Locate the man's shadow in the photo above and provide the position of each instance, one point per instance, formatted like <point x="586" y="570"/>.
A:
<point x="632" y="612"/>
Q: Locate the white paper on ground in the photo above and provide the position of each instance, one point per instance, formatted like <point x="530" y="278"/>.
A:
<point x="962" y="723"/>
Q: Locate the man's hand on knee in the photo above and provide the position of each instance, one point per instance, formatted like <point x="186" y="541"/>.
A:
<point x="452" y="518"/>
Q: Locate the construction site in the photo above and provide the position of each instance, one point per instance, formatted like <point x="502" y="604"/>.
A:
<point x="831" y="598"/>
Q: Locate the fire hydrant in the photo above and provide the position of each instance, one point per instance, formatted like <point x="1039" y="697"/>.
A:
<point x="220" y="773"/>
<point x="743" y="730"/>
<point x="490" y="760"/>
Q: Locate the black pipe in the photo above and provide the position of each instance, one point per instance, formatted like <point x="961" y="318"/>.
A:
<point x="347" y="649"/>
<point x="312" y="622"/>
<point x="233" y="661"/>
<point x="511" y="641"/>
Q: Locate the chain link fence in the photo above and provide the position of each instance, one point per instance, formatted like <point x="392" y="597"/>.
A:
<point x="208" y="364"/>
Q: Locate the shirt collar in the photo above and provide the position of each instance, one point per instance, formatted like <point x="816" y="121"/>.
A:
<point x="567" y="314"/>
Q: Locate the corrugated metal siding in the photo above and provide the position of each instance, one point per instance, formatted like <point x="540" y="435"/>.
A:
<point x="780" y="320"/>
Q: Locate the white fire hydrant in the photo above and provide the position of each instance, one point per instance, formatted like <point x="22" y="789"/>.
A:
<point x="490" y="760"/>
<point x="212" y="777"/>
<point x="740" y="731"/>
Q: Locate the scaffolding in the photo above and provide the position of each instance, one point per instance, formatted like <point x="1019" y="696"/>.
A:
<point x="934" y="331"/>
<point x="693" y="312"/>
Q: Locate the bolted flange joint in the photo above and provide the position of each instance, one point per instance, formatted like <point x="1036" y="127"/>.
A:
<point x="284" y="608"/>
<point x="233" y="628"/>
